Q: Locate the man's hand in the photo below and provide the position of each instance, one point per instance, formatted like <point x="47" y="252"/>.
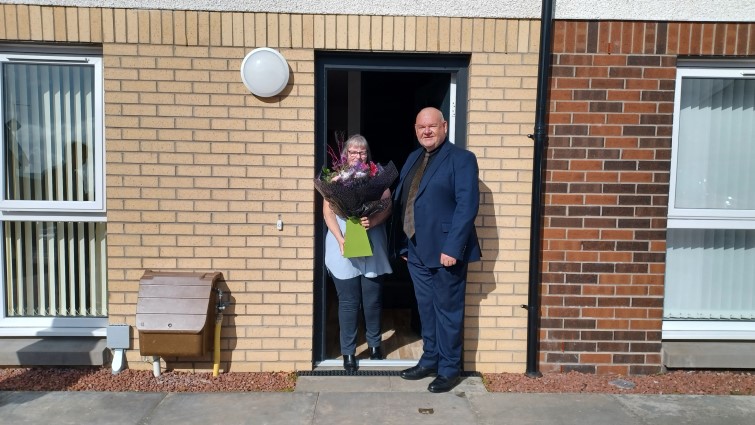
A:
<point x="365" y="221"/>
<point x="446" y="260"/>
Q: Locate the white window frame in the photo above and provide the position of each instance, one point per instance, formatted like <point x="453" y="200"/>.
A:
<point x="69" y="211"/>
<point x="61" y="210"/>
<point x="690" y="218"/>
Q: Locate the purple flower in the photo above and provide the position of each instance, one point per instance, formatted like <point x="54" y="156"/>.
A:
<point x="356" y="191"/>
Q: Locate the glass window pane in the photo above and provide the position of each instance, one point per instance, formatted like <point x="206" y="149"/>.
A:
<point x="716" y="148"/>
<point x="55" y="269"/>
<point x="49" y="132"/>
<point x="710" y="274"/>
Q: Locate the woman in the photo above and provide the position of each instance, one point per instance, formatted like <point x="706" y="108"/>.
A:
<point x="358" y="280"/>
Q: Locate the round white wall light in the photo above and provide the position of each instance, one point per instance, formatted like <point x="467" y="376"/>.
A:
<point x="264" y="72"/>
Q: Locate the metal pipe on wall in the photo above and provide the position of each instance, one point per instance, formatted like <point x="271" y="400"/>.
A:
<point x="540" y="138"/>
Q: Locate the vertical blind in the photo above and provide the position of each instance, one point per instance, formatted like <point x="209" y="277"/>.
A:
<point x="49" y="113"/>
<point x="51" y="268"/>
<point x="710" y="274"/>
<point x="55" y="269"/>
<point x="716" y="144"/>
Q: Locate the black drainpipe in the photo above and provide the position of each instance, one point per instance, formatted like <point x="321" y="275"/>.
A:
<point x="541" y="138"/>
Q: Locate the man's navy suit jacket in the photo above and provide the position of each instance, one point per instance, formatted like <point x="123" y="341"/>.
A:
<point x="445" y="208"/>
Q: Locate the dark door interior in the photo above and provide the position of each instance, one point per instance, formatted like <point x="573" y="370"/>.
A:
<point x="389" y="99"/>
<point x="390" y="102"/>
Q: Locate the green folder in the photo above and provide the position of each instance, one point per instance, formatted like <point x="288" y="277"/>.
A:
<point x="356" y="243"/>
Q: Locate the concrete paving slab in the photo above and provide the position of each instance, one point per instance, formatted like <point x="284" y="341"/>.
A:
<point x="76" y="408"/>
<point x="392" y="408"/>
<point x="234" y="408"/>
<point x="561" y="409"/>
<point x="690" y="409"/>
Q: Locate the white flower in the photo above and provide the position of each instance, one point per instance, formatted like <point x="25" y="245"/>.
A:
<point x="346" y="174"/>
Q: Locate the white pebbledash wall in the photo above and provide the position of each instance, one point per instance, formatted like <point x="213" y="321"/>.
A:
<point x="636" y="10"/>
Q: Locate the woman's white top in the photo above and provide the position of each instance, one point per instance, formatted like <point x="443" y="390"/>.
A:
<point x="347" y="268"/>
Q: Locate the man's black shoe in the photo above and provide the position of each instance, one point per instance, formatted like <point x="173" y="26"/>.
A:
<point x="417" y="372"/>
<point x="350" y="363"/>
<point x="442" y="384"/>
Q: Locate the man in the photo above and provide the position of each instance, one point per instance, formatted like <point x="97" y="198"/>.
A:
<point x="438" y="197"/>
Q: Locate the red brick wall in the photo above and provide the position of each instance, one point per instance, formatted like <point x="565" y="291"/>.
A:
<point x="606" y="196"/>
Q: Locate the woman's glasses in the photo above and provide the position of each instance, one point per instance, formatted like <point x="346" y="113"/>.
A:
<point x="361" y="154"/>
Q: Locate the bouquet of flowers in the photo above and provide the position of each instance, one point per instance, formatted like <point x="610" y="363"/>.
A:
<point x="354" y="191"/>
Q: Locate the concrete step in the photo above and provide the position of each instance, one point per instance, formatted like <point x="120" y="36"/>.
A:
<point x="54" y="351"/>
<point x="380" y="384"/>
<point x="709" y="354"/>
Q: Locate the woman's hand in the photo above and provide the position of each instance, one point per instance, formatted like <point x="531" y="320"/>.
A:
<point x="332" y="223"/>
<point x="379" y="217"/>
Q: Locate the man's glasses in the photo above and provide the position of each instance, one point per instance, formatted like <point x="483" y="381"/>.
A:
<point x="357" y="153"/>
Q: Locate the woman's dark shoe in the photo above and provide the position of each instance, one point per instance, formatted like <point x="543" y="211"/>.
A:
<point x="350" y="363"/>
<point x="376" y="353"/>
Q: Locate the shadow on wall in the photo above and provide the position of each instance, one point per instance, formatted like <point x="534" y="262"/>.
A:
<point x="228" y="336"/>
<point x="480" y="277"/>
<point x="228" y="339"/>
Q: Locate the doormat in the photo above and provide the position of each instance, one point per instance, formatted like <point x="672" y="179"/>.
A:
<point x="368" y="373"/>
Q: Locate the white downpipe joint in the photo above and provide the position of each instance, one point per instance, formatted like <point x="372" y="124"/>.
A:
<point x="156" y="366"/>
<point x="118" y="360"/>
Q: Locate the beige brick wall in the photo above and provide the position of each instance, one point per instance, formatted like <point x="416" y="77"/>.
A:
<point x="198" y="168"/>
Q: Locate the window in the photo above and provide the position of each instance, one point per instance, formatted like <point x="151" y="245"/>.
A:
<point x="713" y="178"/>
<point x="711" y="219"/>
<point x="52" y="192"/>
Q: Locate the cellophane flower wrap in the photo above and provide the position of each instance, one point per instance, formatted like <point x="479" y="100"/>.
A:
<point x="355" y="191"/>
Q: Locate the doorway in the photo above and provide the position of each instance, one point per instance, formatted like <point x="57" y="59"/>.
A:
<point x="378" y="96"/>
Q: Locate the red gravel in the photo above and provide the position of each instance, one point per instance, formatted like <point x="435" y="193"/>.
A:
<point x="676" y="382"/>
<point x="89" y="379"/>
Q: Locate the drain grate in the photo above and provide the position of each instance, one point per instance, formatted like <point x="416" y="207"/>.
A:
<point x="342" y="372"/>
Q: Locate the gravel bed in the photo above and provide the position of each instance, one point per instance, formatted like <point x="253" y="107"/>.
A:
<point x="101" y="379"/>
<point x="675" y="382"/>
